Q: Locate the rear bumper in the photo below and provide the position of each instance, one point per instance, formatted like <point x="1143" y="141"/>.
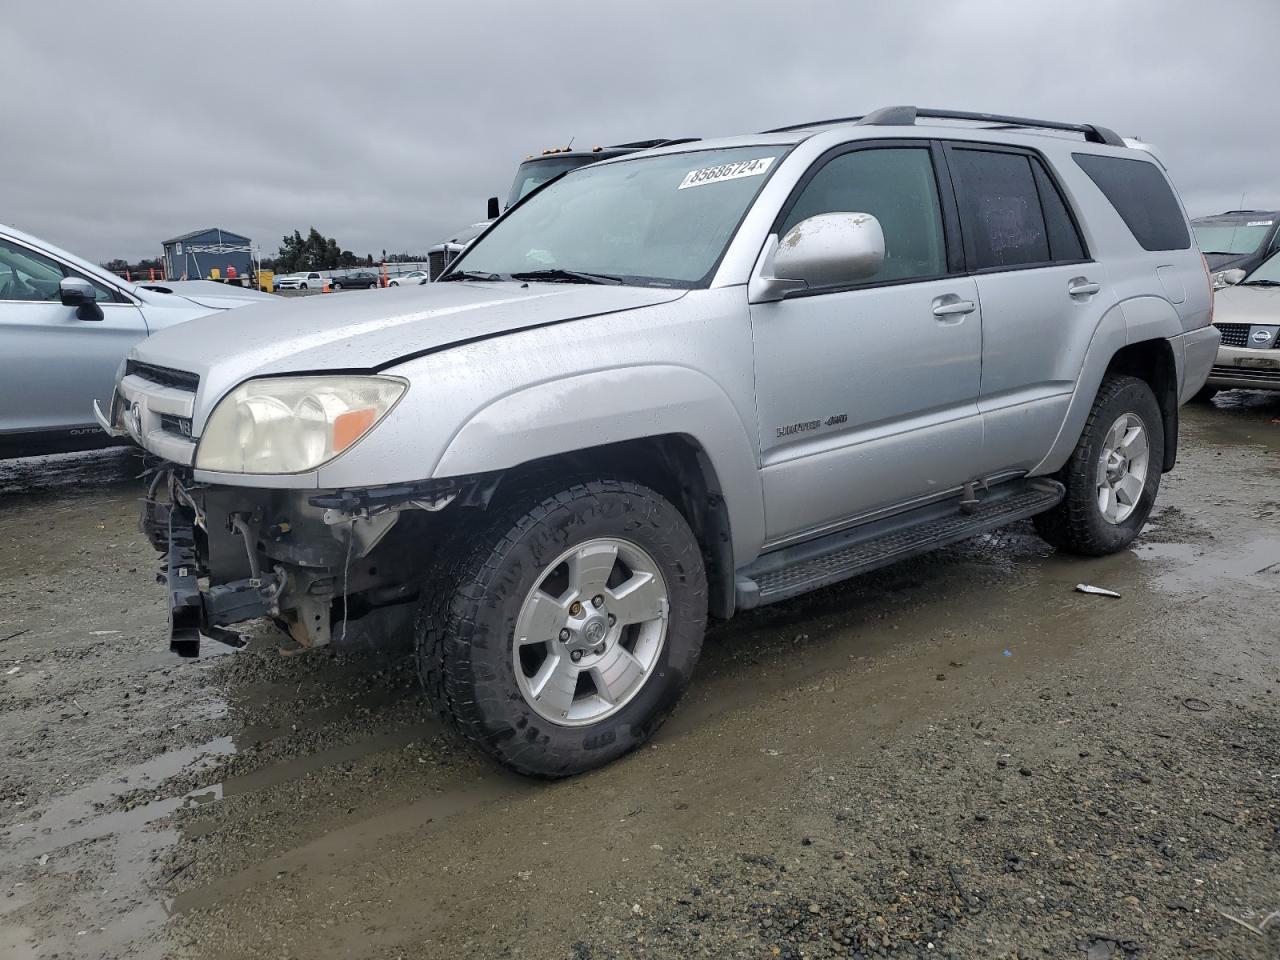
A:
<point x="1197" y="350"/>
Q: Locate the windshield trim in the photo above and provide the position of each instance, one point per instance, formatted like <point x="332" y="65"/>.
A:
<point x="783" y="151"/>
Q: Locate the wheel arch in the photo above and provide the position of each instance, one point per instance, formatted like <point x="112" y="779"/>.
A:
<point x="670" y="428"/>
<point x="1132" y="338"/>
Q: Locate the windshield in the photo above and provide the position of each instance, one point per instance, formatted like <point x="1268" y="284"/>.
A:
<point x="1268" y="271"/>
<point x="662" y="220"/>
<point x="1244" y="236"/>
<point x="534" y="173"/>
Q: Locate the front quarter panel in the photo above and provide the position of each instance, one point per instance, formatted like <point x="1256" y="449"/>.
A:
<point x="683" y="367"/>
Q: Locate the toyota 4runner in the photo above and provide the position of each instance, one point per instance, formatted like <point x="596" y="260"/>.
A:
<point x="678" y="384"/>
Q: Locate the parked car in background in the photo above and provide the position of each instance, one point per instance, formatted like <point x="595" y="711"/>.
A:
<point x="65" y="326"/>
<point x="680" y="383"/>
<point x="1247" y="315"/>
<point x="531" y="174"/>
<point x="359" y="279"/>
<point x="1237" y="239"/>
<point x="311" y="280"/>
<point x="411" y="279"/>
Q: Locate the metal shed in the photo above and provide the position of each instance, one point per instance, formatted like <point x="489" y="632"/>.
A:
<point x="194" y="255"/>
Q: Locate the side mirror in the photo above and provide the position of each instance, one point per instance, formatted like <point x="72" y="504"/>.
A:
<point x="1227" y="278"/>
<point x="80" y="293"/>
<point x="829" y="249"/>
<point x="493" y="211"/>
<point x="76" y="292"/>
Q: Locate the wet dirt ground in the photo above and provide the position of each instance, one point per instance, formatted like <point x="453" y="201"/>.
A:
<point x="958" y="756"/>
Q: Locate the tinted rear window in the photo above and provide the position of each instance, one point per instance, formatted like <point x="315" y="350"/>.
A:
<point x="1142" y="197"/>
<point x="1000" y="207"/>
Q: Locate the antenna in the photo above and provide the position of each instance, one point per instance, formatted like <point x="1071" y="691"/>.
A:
<point x="570" y="146"/>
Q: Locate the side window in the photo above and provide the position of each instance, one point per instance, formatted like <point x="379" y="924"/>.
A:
<point x="999" y="208"/>
<point x="1064" y="240"/>
<point x="1143" y="198"/>
<point x="896" y="185"/>
<point x="28" y="275"/>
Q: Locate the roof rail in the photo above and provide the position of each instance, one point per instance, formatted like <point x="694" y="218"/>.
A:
<point x="651" y="144"/>
<point x="905" y="116"/>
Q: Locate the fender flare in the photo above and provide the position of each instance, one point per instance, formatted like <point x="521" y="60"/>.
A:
<point x="576" y="413"/>
<point x="1127" y="322"/>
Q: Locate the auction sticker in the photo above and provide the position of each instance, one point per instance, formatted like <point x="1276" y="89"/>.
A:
<point x="726" y="171"/>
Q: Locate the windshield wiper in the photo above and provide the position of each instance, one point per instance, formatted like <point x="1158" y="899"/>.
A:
<point x="1258" y="283"/>
<point x="472" y="275"/>
<point x="556" y="275"/>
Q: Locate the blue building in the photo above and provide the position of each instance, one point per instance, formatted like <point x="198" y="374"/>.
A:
<point x="193" y="256"/>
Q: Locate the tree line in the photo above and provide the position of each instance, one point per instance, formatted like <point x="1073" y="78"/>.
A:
<point x="297" y="253"/>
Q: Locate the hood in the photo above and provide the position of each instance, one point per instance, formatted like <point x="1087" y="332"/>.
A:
<point x="374" y="329"/>
<point x="1247" y="304"/>
<point x="203" y="293"/>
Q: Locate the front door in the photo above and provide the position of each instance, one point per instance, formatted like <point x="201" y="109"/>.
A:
<point x="866" y="393"/>
<point x="53" y="364"/>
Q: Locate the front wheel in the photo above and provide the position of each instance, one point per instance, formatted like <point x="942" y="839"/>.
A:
<point x="1113" y="475"/>
<point x="563" y="635"/>
<point x="302" y="286"/>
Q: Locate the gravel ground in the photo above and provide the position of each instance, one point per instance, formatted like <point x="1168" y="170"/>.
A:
<point x="958" y="756"/>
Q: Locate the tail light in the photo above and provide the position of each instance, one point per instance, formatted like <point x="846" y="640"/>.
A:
<point x="1208" y="278"/>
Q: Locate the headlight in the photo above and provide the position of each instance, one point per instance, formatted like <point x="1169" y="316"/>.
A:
<point x="293" y="424"/>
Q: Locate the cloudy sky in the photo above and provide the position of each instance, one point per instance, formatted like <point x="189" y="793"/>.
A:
<point x="387" y="125"/>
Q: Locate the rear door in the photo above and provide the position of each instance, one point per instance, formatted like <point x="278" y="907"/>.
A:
<point x="1042" y="297"/>
<point x="53" y="364"/>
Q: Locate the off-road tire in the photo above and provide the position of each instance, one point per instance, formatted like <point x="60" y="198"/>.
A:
<point x="464" y="630"/>
<point x="1076" y="524"/>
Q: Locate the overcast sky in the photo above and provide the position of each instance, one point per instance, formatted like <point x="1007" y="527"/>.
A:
<point x="387" y="125"/>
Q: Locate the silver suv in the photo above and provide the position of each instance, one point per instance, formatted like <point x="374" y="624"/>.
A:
<point x="678" y="384"/>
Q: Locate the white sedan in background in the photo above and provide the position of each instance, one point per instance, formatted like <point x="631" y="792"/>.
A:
<point x="409" y="279"/>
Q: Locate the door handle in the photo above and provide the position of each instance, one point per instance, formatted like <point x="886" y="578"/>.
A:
<point x="950" y="305"/>
<point x="1082" y="287"/>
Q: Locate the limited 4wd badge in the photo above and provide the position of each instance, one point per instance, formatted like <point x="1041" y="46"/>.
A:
<point x="726" y="171"/>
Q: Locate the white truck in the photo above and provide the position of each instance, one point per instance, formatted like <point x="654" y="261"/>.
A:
<point x="311" y="280"/>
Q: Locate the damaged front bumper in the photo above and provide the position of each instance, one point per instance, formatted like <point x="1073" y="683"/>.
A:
<point x="232" y="554"/>
<point x="195" y="612"/>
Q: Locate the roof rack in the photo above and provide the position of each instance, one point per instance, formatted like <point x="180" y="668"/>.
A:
<point x="651" y="144"/>
<point x="905" y="116"/>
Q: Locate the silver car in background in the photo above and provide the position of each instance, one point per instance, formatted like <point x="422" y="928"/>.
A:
<point x="65" y="326"/>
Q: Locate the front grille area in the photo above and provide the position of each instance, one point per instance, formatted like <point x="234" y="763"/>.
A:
<point x="437" y="260"/>
<point x="1247" y="373"/>
<point x="166" y="377"/>
<point x="178" y="426"/>
<point x="1234" y="334"/>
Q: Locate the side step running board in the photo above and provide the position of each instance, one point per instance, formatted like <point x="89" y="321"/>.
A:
<point x="798" y="569"/>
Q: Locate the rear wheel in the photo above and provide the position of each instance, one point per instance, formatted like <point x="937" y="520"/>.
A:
<point x="1113" y="475"/>
<point x="562" y="637"/>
